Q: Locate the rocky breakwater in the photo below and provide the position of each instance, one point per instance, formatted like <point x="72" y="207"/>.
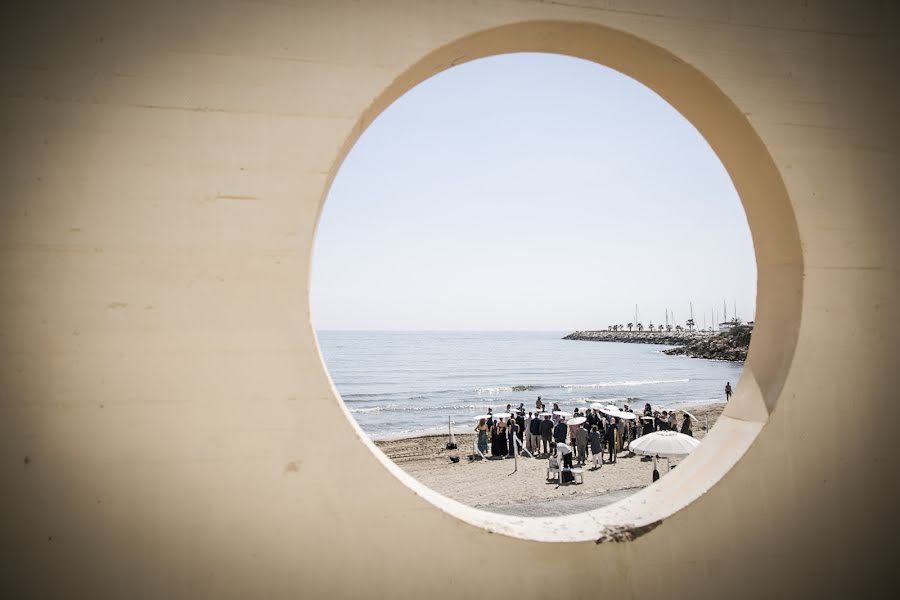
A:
<point x="730" y="345"/>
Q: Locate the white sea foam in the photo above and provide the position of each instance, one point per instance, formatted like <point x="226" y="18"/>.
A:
<point x="630" y="383"/>
<point x="367" y="410"/>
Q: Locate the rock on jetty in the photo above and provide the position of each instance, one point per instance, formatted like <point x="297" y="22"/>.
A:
<point x="696" y="344"/>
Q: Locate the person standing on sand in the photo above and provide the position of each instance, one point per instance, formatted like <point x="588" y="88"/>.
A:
<point x="686" y="426"/>
<point x="581" y="443"/>
<point x="490" y="418"/>
<point x="596" y="442"/>
<point x="482" y="432"/>
<point x="559" y="432"/>
<point x="662" y="421"/>
<point x="520" y="427"/>
<point x="546" y="434"/>
<point x="573" y="429"/>
<point x="498" y="439"/>
<point x="527" y="430"/>
<point x="612" y="432"/>
<point x="727" y="391"/>
<point x="673" y="421"/>
<point x="512" y="431"/>
<point x="534" y="432"/>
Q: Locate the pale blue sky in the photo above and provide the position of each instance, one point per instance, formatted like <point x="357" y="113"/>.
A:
<point x="529" y="192"/>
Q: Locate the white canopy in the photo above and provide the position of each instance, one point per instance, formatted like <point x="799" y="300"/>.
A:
<point x="664" y="443"/>
<point x="612" y="411"/>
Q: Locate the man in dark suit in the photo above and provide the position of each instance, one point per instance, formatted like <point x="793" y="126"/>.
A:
<point x="546" y="434"/>
<point x="560" y="431"/>
<point x="520" y="431"/>
<point x="612" y="430"/>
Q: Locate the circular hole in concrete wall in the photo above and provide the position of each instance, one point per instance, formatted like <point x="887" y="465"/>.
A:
<point x="493" y="211"/>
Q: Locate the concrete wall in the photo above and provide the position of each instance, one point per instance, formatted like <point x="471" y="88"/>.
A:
<point x="164" y="165"/>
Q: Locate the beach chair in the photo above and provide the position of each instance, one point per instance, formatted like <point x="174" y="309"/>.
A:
<point x="552" y="468"/>
<point x="578" y="473"/>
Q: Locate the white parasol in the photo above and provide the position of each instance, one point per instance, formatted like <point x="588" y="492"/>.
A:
<point x="693" y="418"/>
<point x="503" y="415"/>
<point x="485" y="417"/>
<point x="577" y="421"/>
<point x="562" y="413"/>
<point x="664" y="443"/>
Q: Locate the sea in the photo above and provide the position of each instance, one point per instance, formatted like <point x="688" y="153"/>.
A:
<point x="401" y="384"/>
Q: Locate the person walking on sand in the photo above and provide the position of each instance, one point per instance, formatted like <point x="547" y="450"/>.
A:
<point x="727" y="391"/>
<point x="482" y="432"/>
<point x="546" y="434"/>
<point x="596" y="441"/>
<point x="581" y="443"/>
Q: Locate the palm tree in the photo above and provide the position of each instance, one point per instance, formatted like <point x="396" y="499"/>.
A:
<point x="690" y="324"/>
<point x="640" y="327"/>
<point x="630" y="325"/>
<point x="679" y="328"/>
<point x="669" y="328"/>
<point x="650" y="327"/>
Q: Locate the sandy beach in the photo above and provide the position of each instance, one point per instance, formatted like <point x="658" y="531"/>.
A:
<point x="492" y="484"/>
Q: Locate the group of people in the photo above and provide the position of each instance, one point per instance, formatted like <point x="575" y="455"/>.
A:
<point x="543" y="432"/>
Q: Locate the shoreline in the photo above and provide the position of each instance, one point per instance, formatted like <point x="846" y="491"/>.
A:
<point x="491" y="485"/>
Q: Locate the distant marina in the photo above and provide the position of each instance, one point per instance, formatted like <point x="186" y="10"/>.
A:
<point x="729" y="344"/>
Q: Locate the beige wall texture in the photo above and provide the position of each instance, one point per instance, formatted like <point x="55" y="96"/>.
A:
<point x="163" y="168"/>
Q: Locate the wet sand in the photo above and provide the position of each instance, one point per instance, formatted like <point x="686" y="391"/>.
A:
<point x="494" y="485"/>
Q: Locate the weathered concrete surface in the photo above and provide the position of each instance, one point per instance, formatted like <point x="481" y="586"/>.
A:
<point x="164" y="165"/>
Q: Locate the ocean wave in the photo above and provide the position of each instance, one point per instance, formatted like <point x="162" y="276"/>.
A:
<point x="493" y="390"/>
<point x="508" y="388"/>
<point x="397" y="408"/>
<point x="573" y="386"/>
